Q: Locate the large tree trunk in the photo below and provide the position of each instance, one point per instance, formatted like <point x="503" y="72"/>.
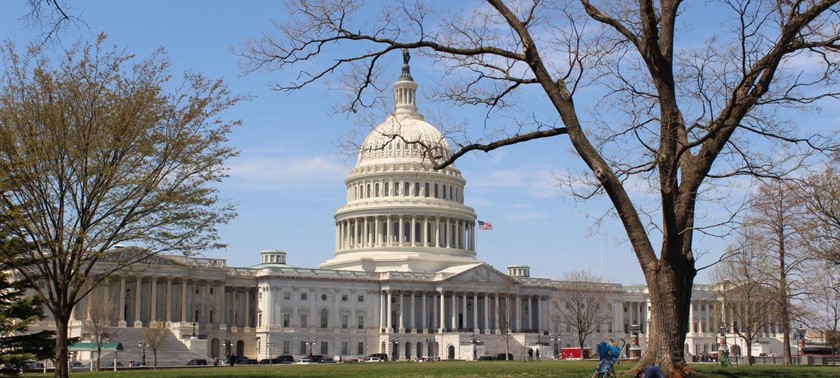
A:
<point x="61" y="340"/>
<point x="669" y="284"/>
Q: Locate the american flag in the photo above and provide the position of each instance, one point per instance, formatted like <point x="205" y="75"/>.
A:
<point x="485" y="225"/>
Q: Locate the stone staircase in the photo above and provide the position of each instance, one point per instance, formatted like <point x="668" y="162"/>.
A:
<point x="172" y="351"/>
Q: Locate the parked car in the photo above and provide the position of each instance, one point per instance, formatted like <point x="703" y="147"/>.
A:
<point x="304" y="361"/>
<point x="197" y="362"/>
<point x="247" y="361"/>
<point x="487" y="358"/>
<point x="286" y="359"/>
<point x="372" y="359"/>
<point x="110" y="364"/>
<point x="382" y="356"/>
<point x="76" y="364"/>
<point x="501" y="357"/>
<point x="316" y="358"/>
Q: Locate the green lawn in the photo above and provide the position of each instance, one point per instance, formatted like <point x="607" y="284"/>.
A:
<point x="457" y="369"/>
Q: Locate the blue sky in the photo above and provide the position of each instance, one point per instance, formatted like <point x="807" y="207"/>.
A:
<point x="289" y="178"/>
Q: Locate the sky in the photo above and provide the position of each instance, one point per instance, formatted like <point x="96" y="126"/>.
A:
<point x="288" y="180"/>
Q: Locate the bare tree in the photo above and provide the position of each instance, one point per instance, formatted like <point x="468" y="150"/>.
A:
<point x="824" y="303"/>
<point x="777" y="221"/>
<point x="679" y="118"/>
<point x="506" y="317"/>
<point x="100" y="317"/>
<point x="747" y="294"/>
<point x="822" y="200"/>
<point x="99" y="149"/>
<point x="582" y="304"/>
<point x="154" y="336"/>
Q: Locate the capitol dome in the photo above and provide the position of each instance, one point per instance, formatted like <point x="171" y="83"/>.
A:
<point x="401" y="213"/>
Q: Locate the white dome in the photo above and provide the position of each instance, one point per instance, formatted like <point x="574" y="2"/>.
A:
<point x="404" y="137"/>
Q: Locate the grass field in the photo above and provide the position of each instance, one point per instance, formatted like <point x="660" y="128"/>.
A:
<point x="456" y="369"/>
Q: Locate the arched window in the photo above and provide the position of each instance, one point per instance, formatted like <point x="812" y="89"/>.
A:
<point x="376" y="190"/>
<point x="417" y="232"/>
<point x="417" y="189"/>
<point x="387" y="190"/>
<point x="444" y="191"/>
<point x="427" y="190"/>
<point x="405" y="188"/>
<point x="367" y="195"/>
<point x="406" y="231"/>
<point x="396" y="189"/>
<point x="436" y="191"/>
<point x="325" y="316"/>
<point x="396" y="228"/>
<point x="450" y="193"/>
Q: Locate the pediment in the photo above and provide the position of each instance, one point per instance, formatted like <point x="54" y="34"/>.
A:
<point x="479" y="273"/>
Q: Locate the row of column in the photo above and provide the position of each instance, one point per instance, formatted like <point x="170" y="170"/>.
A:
<point x="405" y="231"/>
<point x="384" y="189"/>
<point x="462" y="311"/>
<point x="194" y="300"/>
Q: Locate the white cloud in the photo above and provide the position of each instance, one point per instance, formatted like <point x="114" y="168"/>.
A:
<point x="258" y="174"/>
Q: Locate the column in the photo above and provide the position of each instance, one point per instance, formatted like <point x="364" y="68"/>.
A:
<point x="184" y="300"/>
<point x="377" y="231"/>
<point x="168" y="316"/>
<point x="137" y="296"/>
<point x="437" y="234"/>
<point x="518" y="302"/>
<point x="475" y="313"/>
<point x="388" y="227"/>
<point x="247" y="307"/>
<point x="401" y="231"/>
<point x="498" y="329"/>
<point x="122" y="302"/>
<point x="453" y="324"/>
<point x="442" y="311"/>
<point x="234" y="319"/>
<point x="425" y="233"/>
<point x="413" y="232"/>
<point x="153" y="310"/>
<point x="382" y="324"/>
<point x="424" y="309"/>
<point x="486" y="313"/>
<point x="222" y="308"/>
<point x="412" y="321"/>
<point x="388" y="312"/>
<point x="402" y="313"/>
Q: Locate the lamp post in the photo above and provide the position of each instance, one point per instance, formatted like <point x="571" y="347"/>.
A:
<point x="474" y="340"/>
<point x="228" y="344"/>
<point x="801" y="332"/>
<point x="143" y="345"/>
<point x="723" y="351"/>
<point x="635" y="348"/>
<point x="311" y="343"/>
<point x="555" y="341"/>
<point x="432" y="343"/>
<point x="268" y="346"/>
<point x="395" y="350"/>
<point x="194" y="324"/>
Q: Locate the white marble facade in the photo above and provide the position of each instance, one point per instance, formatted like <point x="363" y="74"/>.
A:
<point x="404" y="279"/>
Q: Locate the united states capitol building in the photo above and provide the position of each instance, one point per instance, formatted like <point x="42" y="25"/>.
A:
<point x="405" y="279"/>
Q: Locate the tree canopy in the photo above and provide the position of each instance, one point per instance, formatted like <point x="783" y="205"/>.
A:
<point x="99" y="148"/>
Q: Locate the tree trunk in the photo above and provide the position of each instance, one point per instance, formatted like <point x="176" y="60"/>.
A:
<point x="669" y="285"/>
<point x="61" y="340"/>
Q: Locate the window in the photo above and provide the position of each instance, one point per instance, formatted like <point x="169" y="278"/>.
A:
<point x="444" y="192"/>
<point x="286" y="347"/>
<point x="287" y="295"/>
<point x="344" y="347"/>
<point x="361" y="298"/>
<point x="324" y="318"/>
<point x="426" y="193"/>
<point x="287" y="319"/>
<point x="405" y="188"/>
<point x="376" y="190"/>
<point x="361" y="322"/>
<point x="323" y="297"/>
<point x="387" y="190"/>
<point x="436" y="191"/>
<point x="344" y="297"/>
<point x="303" y="348"/>
<point x="417" y="189"/>
<point x="344" y="321"/>
<point x="304" y="296"/>
<point x="360" y="348"/>
<point x="303" y="319"/>
<point x="324" y="346"/>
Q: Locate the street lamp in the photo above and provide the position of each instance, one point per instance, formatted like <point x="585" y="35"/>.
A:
<point x="195" y="320"/>
<point x="474" y="340"/>
<point x="801" y="332"/>
<point x="432" y="343"/>
<point x="311" y="343"/>
<point x="555" y="341"/>
<point x="395" y="350"/>
<point x="635" y="348"/>
<point x="228" y="344"/>
<point x="268" y="346"/>
<point x="143" y="345"/>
